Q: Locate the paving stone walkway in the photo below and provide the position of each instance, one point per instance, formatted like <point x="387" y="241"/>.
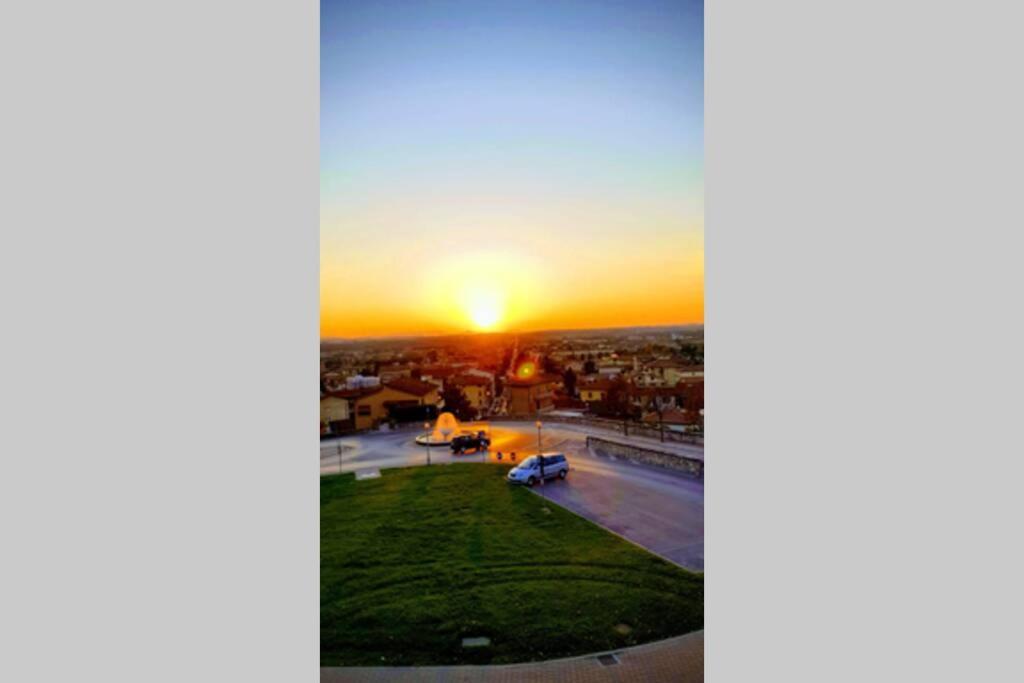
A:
<point x="675" y="660"/>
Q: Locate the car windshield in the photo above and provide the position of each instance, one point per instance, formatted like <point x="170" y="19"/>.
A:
<point x="529" y="463"/>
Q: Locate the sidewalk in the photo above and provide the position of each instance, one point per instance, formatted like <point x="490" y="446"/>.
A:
<point x="675" y="660"/>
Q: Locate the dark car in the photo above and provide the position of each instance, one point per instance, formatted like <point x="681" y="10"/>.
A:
<point x="465" y="442"/>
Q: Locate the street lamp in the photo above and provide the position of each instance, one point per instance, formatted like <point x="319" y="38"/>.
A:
<point x="426" y="426"/>
<point x="540" y="454"/>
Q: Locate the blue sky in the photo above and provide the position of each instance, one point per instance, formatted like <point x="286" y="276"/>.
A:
<point x="582" y="118"/>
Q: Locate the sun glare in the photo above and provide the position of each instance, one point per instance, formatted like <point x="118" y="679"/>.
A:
<point x="486" y="308"/>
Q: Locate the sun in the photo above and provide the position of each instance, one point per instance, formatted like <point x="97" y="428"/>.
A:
<point x="486" y="308"/>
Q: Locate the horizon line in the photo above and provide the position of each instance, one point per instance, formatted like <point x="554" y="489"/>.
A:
<point x="432" y="335"/>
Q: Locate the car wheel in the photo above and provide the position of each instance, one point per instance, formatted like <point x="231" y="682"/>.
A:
<point x="531" y="481"/>
<point x="561" y="475"/>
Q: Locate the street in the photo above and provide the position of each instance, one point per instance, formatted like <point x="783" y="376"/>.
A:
<point x="656" y="508"/>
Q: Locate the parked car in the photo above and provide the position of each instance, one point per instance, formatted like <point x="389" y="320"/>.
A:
<point x="465" y="442"/>
<point x="529" y="471"/>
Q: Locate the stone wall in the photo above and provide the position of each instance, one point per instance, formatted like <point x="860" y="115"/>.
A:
<point x="693" y="467"/>
<point x="629" y="428"/>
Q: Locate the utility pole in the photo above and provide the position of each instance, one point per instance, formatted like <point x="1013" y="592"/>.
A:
<point x="540" y="452"/>
<point x="426" y="426"/>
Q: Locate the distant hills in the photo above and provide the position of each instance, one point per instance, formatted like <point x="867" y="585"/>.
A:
<point x="588" y="333"/>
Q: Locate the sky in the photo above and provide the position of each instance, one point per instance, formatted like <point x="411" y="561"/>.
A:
<point x="518" y="165"/>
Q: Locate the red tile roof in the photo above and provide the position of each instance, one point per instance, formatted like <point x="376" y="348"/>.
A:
<point x="596" y="385"/>
<point x="439" y="371"/>
<point x="351" y="393"/>
<point x="408" y="385"/>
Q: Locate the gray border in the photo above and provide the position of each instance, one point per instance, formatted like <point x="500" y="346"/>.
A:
<point x="159" y="258"/>
<point x="863" y="332"/>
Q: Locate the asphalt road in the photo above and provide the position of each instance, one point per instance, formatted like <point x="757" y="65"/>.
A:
<point x="653" y="507"/>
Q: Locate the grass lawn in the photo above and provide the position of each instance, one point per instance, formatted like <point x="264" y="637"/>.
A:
<point x="415" y="561"/>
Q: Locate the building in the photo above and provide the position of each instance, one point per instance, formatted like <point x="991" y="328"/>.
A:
<point x="668" y="372"/>
<point x="393" y="371"/>
<point x="675" y="420"/>
<point x="654" y="397"/>
<point x="527" y="396"/>
<point x="437" y="374"/>
<point x="332" y="381"/>
<point x="594" y="391"/>
<point x="335" y="414"/>
<point x="373" y="406"/>
<point x="361" y="382"/>
<point x="479" y="391"/>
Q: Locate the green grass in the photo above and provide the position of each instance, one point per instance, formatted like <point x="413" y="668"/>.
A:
<point x="414" y="561"/>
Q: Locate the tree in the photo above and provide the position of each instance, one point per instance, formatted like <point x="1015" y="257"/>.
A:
<point x="693" y="398"/>
<point x="569" y="379"/>
<point x="692" y="353"/>
<point x="590" y="367"/>
<point x="550" y="365"/>
<point x="617" y="401"/>
<point x="660" y="404"/>
<point x="457" y="404"/>
<point x="618" y="396"/>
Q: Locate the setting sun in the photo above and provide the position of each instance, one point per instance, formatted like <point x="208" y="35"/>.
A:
<point x="486" y="308"/>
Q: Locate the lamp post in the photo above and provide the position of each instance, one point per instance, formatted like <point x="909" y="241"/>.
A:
<point x="540" y="454"/>
<point x="426" y="426"/>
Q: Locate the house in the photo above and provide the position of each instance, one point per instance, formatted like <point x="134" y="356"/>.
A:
<point x="332" y="381"/>
<point x="480" y="373"/>
<point x="361" y="382"/>
<point x="595" y="390"/>
<point x="653" y="397"/>
<point x="612" y="369"/>
<point x="335" y="414"/>
<point x="373" y="405"/>
<point x="675" y="420"/>
<point x="437" y="374"/>
<point x="530" y="395"/>
<point x="393" y="371"/>
<point x="479" y="391"/>
<point x="668" y="371"/>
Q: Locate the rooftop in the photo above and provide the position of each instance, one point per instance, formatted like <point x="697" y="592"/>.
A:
<point x="412" y="386"/>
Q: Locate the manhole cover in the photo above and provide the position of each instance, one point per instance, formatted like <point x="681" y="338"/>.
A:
<point x="608" y="660"/>
<point x="476" y="642"/>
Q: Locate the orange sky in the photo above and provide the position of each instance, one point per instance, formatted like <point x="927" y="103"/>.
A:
<point x="435" y="282"/>
<point x="518" y="167"/>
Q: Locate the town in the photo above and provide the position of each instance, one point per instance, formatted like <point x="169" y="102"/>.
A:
<point x="647" y="378"/>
